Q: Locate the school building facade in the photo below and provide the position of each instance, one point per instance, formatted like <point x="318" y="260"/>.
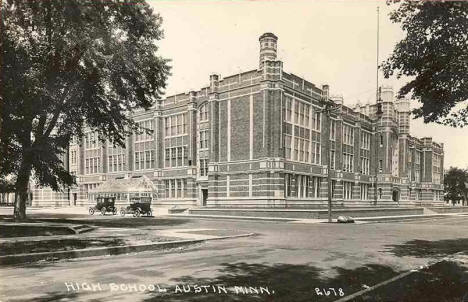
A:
<point x="259" y="139"/>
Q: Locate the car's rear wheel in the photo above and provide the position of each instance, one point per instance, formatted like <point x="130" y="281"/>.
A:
<point x="137" y="213"/>
<point x="114" y="211"/>
<point x="91" y="211"/>
<point x="103" y="211"/>
<point x="122" y="212"/>
<point x="150" y="213"/>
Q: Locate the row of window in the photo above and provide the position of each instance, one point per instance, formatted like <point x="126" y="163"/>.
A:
<point x="145" y="132"/>
<point x="176" y="125"/>
<point x="91" y="141"/>
<point x="365" y="140"/>
<point x="175" y="188"/>
<point x="176" y="156"/>
<point x="92" y="165"/>
<point x="301" y="112"/>
<point x="302" y="186"/>
<point x="144" y="159"/>
<point x="117" y="163"/>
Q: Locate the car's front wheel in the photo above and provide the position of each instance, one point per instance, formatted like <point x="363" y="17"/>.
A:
<point x="91" y="211"/>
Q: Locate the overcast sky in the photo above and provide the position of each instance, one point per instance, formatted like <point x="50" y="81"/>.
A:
<point x="325" y="41"/>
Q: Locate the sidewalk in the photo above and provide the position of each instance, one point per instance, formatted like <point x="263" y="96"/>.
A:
<point x="312" y="221"/>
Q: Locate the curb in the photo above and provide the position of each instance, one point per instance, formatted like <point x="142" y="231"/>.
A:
<point x="235" y="217"/>
<point x="105" y="251"/>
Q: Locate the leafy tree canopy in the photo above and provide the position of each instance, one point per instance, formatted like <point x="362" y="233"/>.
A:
<point x="434" y="54"/>
<point x="67" y="64"/>
<point x="455" y="183"/>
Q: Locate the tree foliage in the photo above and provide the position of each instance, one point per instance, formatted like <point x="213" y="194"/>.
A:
<point x="434" y="55"/>
<point x="456" y="184"/>
<point x="67" y="64"/>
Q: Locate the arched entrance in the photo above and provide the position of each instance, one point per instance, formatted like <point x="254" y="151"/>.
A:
<point x="396" y="195"/>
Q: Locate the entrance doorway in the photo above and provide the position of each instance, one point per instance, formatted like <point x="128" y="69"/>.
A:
<point x="396" y="195"/>
<point x="75" y="197"/>
<point x="204" y="196"/>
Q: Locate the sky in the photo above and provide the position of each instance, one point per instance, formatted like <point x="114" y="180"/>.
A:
<point x="325" y="41"/>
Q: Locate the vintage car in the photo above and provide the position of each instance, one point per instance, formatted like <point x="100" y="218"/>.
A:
<point x="104" y="205"/>
<point x="138" y="206"/>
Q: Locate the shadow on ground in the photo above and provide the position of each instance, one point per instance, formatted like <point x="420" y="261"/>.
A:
<point x="443" y="282"/>
<point x="120" y="222"/>
<point x="426" y="248"/>
<point x="283" y="282"/>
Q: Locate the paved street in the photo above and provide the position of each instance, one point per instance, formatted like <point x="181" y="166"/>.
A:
<point x="284" y="262"/>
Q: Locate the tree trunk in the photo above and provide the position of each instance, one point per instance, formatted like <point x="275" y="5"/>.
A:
<point x="21" y="186"/>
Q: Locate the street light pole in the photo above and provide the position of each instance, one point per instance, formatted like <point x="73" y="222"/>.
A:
<point x="329" y="107"/>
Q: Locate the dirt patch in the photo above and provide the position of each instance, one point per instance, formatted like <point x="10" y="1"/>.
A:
<point x="23" y="247"/>
<point x="120" y="222"/>
<point x="9" y="231"/>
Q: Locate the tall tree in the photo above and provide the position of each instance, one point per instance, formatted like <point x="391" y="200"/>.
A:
<point x="455" y="183"/>
<point x="434" y="55"/>
<point x="67" y="64"/>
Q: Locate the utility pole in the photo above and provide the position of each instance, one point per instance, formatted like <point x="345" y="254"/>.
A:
<point x="329" y="107"/>
<point x="377" y="57"/>
<point x="378" y="113"/>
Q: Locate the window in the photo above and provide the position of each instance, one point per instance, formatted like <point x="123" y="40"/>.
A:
<point x="316" y="121"/>
<point x="365" y="140"/>
<point x="365" y="165"/>
<point x="142" y="135"/>
<point x="332" y="130"/>
<point x="176" y="125"/>
<point x="116" y="159"/>
<point x="297" y="132"/>
<point x="288" y="109"/>
<point x="204" y="139"/>
<point x="73" y="157"/>
<point x="92" y="153"/>
<point x="348" y="135"/>
<point x="144" y="160"/>
<point x="381" y="140"/>
<point x="287" y="146"/>
<point x="203" y="113"/>
<point x="332" y="159"/>
<point x="288" y="184"/>
<point x="364" y="188"/>
<point x="380" y="165"/>
<point x="315" y="186"/>
<point x="347" y="190"/>
<point x="348" y="162"/>
<point x="176" y="156"/>
<point x="203" y="167"/>
<point x="296" y="111"/>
